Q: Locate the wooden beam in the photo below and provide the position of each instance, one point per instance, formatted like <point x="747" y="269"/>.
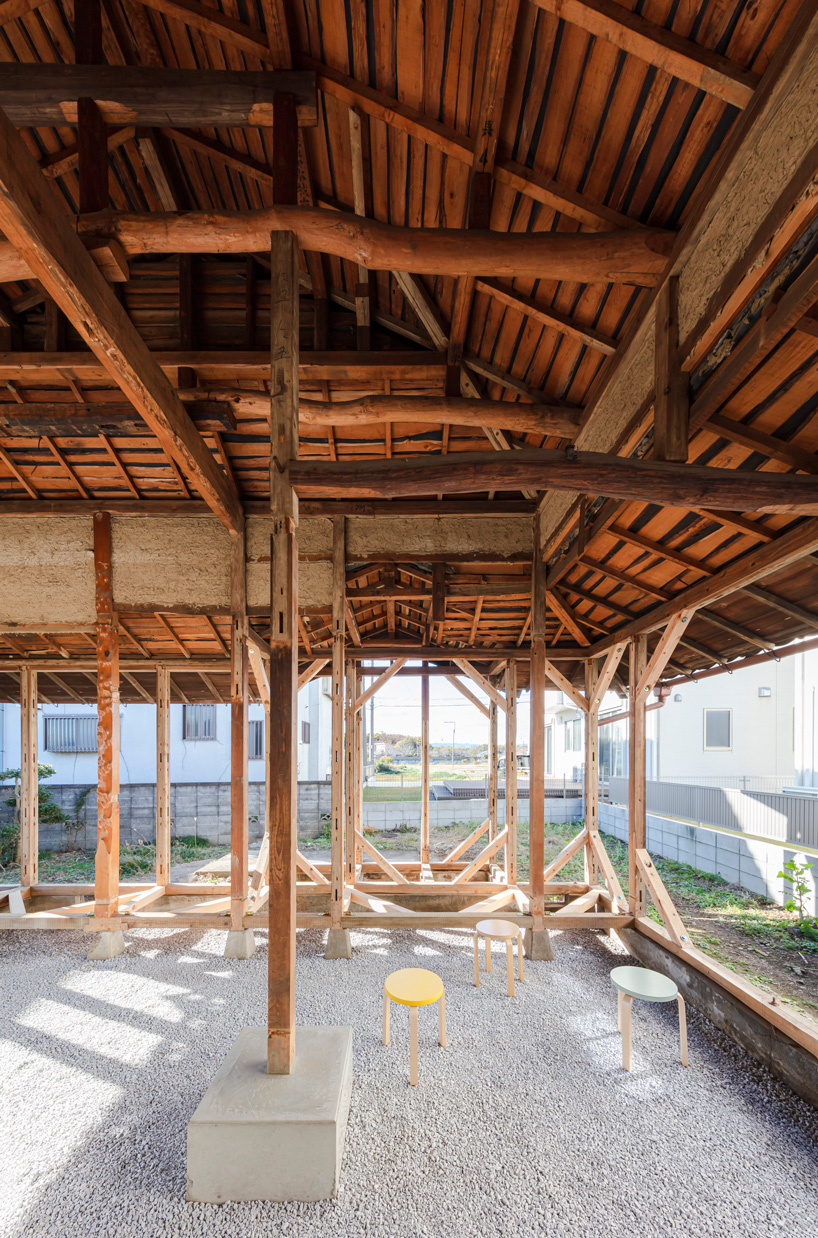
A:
<point x="377" y="684"/>
<point x="511" y="770"/>
<point x="106" y="864"/>
<point x="671" y="411"/>
<point x="546" y="315"/>
<point x="664" y="903"/>
<point x="606" y="675"/>
<point x="337" y="814"/>
<point x="662" y="48"/>
<point x="163" y="813"/>
<point x="31" y="218"/>
<point x="38" y="95"/>
<point x="564" y="684"/>
<point x="538" y="672"/>
<point x="312" y="670"/>
<point x="470" y="697"/>
<point x="663" y="652"/>
<point x="483" y="684"/>
<point x="557" y="603"/>
<point x="283" y="719"/>
<point x="636" y="256"/>
<point x="239" y="734"/>
<point x="637" y="784"/>
<point x="638" y="481"/>
<point x="424" y="770"/>
<point x="560" y="421"/>
<point x="767" y="444"/>
<point x="29" y="795"/>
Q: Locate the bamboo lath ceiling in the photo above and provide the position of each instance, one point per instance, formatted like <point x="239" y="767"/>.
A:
<point x="581" y="133"/>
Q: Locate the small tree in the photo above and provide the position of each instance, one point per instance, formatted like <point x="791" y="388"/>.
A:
<point x="50" y="812"/>
<point x="795" y="875"/>
<point x="77" y="822"/>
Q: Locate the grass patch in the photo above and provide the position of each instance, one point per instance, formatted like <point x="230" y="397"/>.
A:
<point x="134" y="861"/>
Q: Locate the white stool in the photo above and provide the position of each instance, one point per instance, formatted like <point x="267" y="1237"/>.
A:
<point x="648" y="986"/>
<point x="498" y="930"/>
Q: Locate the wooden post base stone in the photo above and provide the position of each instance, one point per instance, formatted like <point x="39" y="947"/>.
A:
<point x="240" y="944"/>
<point x="275" y="1137"/>
<point x="107" y="945"/>
<point x="339" y="944"/>
<point x="538" y="946"/>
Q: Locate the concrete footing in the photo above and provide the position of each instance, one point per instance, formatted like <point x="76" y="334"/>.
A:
<point x="273" y="1137"/>
<point x="240" y="944"/>
<point x="106" y="945"/>
<point x="537" y="945"/>
<point x="339" y="944"/>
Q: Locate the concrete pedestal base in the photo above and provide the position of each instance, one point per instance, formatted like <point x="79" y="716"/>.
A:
<point x="106" y="945"/>
<point x="339" y="944"/>
<point x="240" y="944"/>
<point x="537" y="945"/>
<point x="276" y="1137"/>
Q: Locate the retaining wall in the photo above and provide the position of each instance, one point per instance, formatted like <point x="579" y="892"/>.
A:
<point x="748" y="862"/>
<point x="389" y="814"/>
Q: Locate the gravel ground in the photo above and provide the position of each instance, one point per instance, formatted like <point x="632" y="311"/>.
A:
<point x="525" y="1124"/>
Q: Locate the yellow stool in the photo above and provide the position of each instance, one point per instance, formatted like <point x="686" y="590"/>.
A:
<point x="499" y="930"/>
<point x="413" y="987"/>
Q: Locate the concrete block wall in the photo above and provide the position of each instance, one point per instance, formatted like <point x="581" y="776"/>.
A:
<point x="748" y="862"/>
<point x="390" y="814"/>
<point x="197" y="807"/>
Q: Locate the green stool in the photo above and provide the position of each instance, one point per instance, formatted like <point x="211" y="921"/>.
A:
<point x="648" y="986"/>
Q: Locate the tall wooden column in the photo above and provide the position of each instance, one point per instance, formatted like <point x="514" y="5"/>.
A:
<point x="492" y="787"/>
<point x="349" y="772"/>
<point x="537" y="939"/>
<point x="424" y="769"/>
<point x="283" y="643"/>
<point x="29" y="794"/>
<point x="591" y="789"/>
<point x="338" y="945"/>
<point x="511" y="772"/>
<point x="637" y="777"/>
<point x="239" y="737"/>
<point x="162" y="776"/>
<point x="106" y="866"/>
<point x="357" y="762"/>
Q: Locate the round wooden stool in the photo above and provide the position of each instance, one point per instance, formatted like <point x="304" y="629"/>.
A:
<point x="647" y="986"/>
<point x="498" y="930"/>
<point x="413" y="987"/>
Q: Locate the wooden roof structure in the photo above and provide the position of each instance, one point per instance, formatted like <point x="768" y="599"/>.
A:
<point x="506" y="213"/>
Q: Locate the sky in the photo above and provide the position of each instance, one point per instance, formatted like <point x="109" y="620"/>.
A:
<point x="397" y="710"/>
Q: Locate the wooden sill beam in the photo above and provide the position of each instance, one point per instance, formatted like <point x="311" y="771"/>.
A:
<point x="640" y="481"/>
<point x="37" y="95"/>
<point x="662" y="48"/>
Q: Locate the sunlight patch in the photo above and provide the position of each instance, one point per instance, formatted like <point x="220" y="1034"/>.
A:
<point x="108" y="1037"/>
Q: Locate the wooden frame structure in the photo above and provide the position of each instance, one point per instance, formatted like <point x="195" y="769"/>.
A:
<point x="320" y="359"/>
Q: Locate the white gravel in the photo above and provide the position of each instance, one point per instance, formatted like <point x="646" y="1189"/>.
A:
<point x="524" y="1124"/>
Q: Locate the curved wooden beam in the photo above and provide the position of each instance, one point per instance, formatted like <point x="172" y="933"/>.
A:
<point x="634" y="256"/>
<point x="640" y="481"/>
<point x="442" y="410"/>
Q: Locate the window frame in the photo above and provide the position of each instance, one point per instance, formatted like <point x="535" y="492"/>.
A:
<point x="255" y="746"/>
<point x="198" y="738"/>
<point x="60" y="721"/>
<point x="717" y="709"/>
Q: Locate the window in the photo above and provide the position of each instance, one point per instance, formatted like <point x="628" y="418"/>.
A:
<point x="573" y="735"/>
<point x="256" y="740"/>
<point x="70" y="734"/>
<point x="549" y="750"/>
<point x="305" y="732"/>
<point x="577" y="735"/>
<point x="199" y="722"/>
<point x="718" y="730"/>
<point x="326" y="685"/>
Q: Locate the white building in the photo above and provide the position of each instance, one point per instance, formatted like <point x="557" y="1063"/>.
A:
<point x="199" y="740"/>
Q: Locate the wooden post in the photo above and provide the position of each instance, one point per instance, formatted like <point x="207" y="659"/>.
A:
<point x="591" y="767"/>
<point x="282" y="745"/>
<point x="671" y="411"/>
<point x="637" y="789"/>
<point x="349" y="771"/>
<point x="537" y="938"/>
<point x="162" y="776"/>
<point x="337" y="753"/>
<point x="357" y="790"/>
<point x="511" y="772"/>
<point x="106" y="865"/>
<point x="239" y="734"/>
<point x="492" y="788"/>
<point x="424" y="770"/>
<point x="29" y="794"/>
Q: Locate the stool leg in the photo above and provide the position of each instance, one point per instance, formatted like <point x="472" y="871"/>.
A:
<point x="682" y="1027"/>
<point x="627" y="1005"/>
<point x="520" y="955"/>
<point x="477" y="960"/>
<point x="620" y="997"/>
<point x="441" y="1020"/>
<point x="385" y="1018"/>
<point x="488" y="953"/>
<point x="413" y="1044"/>
<point x="510" y="968"/>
